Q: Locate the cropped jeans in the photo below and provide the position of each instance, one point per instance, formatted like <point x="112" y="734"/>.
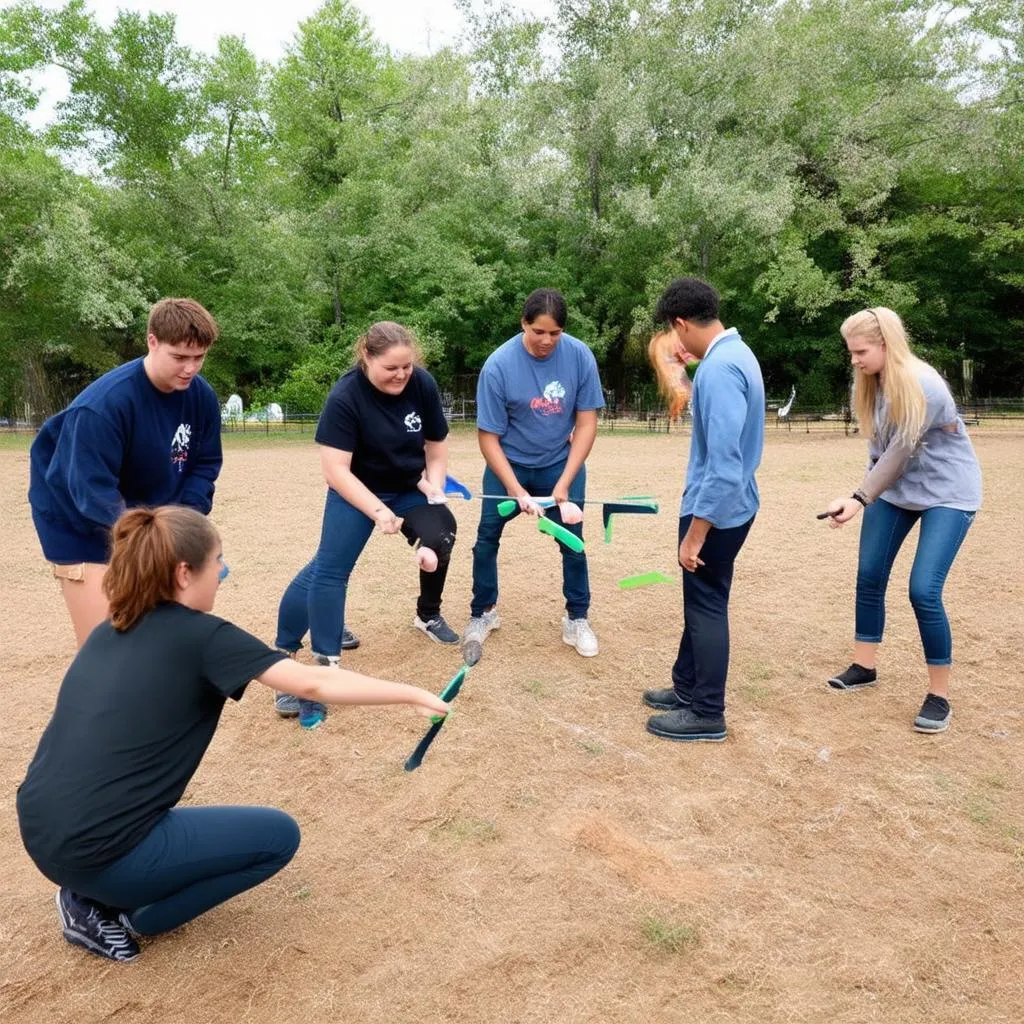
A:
<point x="882" y="533"/>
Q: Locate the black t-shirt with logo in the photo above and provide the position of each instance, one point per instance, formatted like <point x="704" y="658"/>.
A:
<point x="134" y="716"/>
<point x="385" y="433"/>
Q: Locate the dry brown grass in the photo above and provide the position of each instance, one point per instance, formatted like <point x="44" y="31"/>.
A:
<point x="551" y="862"/>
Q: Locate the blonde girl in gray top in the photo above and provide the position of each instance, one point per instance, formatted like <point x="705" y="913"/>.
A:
<point x="922" y="467"/>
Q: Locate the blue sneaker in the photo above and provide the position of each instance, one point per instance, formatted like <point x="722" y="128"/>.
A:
<point x="311" y="713"/>
<point x="86" y="924"/>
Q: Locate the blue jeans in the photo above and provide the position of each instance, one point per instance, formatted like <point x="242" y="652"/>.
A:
<point x="882" y="532"/>
<point x="575" y="580"/>
<point x="702" y="664"/>
<point x="315" y="599"/>
<point x="193" y="859"/>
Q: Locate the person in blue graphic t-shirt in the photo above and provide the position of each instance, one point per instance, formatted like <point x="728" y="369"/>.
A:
<point x="146" y="433"/>
<point x="537" y="401"/>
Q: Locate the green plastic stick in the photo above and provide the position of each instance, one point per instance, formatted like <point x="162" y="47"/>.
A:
<point x="644" y="580"/>
<point x="559" y="532"/>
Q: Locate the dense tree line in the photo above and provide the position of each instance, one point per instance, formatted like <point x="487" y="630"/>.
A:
<point x="809" y="157"/>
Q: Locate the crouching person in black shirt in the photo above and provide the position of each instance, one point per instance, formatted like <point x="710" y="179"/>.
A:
<point x="134" y="716"/>
<point x="384" y="455"/>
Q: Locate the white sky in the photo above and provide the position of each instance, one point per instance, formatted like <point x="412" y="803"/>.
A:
<point x="407" y="26"/>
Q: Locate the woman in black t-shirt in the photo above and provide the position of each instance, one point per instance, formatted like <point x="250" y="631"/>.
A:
<point x="384" y="456"/>
<point x="134" y="716"/>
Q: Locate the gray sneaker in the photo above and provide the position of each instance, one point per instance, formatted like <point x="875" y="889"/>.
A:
<point x="479" y="626"/>
<point x="477" y="630"/>
<point x="285" y="704"/>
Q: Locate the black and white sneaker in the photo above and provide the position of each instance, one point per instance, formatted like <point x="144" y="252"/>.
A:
<point x="856" y="677"/>
<point x="86" y="924"/>
<point x="934" y="715"/>
<point x="437" y="629"/>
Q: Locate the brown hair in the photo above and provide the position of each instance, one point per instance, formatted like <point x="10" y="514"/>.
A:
<point x="182" y="321"/>
<point x="673" y="383"/>
<point x="382" y="336"/>
<point x="148" y="545"/>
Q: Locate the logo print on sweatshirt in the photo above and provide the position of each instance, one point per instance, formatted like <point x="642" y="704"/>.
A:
<point x="413" y="423"/>
<point x="179" y="445"/>
<point x="551" y="403"/>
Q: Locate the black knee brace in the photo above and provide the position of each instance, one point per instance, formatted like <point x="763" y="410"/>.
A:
<point x="433" y="526"/>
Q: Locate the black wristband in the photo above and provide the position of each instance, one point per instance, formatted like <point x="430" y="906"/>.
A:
<point x="858" y="496"/>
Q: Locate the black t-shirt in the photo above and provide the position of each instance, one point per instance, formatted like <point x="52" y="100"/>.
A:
<point x="134" y="716"/>
<point x="384" y="433"/>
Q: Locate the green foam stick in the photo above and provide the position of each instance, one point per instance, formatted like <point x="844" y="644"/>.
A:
<point x="559" y="532"/>
<point x="448" y="694"/>
<point x="506" y="508"/>
<point x="645" y="579"/>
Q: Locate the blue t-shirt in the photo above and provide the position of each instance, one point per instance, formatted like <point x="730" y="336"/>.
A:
<point x="120" y="444"/>
<point x="531" y="403"/>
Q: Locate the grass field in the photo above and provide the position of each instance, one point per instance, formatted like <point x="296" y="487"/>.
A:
<point x="551" y="861"/>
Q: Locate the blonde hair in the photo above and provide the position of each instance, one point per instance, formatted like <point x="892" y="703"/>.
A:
<point x="907" y="405"/>
<point x="148" y="545"/>
<point x="673" y="383"/>
<point x="382" y="336"/>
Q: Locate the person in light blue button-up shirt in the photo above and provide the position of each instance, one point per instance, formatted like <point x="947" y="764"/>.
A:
<point x="718" y="506"/>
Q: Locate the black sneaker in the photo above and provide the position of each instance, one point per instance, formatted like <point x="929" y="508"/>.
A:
<point x="934" y="715"/>
<point x="86" y="924"/>
<point x="349" y="641"/>
<point x="856" y="677"/>
<point x="437" y="629"/>
<point x="685" y="724"/>
<point x="665" y="699"/>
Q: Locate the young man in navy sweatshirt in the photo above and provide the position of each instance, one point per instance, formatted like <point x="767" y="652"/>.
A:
<point x="146" y="433"/>
<point x="719" y="503"/>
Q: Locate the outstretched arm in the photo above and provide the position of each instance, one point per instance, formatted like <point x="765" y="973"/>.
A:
<point x="340" y="686"/>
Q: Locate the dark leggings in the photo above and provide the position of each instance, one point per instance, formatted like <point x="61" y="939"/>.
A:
<point x="193" y="859"/>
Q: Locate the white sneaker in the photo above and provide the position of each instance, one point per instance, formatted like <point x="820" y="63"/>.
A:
<point x="577" y="633"/>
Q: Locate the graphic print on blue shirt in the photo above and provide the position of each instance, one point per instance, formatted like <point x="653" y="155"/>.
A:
<point x="550" y="403"/>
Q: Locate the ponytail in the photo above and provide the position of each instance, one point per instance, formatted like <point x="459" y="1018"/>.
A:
<point x="148" y="546"/>
<point x="673" y="383"/>
<point x="382" y="336"/>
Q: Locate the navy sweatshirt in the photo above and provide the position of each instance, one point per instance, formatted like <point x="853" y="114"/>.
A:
<point x="120" y="444"/>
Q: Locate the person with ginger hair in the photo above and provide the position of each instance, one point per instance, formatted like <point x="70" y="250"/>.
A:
<point x="138" y="707"/>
